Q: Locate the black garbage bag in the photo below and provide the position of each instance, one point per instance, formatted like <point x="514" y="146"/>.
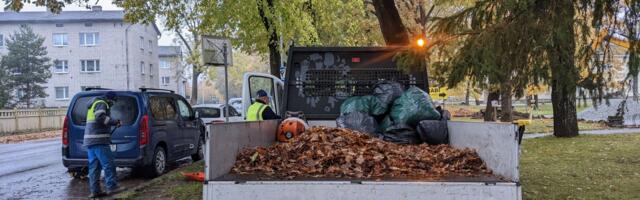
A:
<point x="433" y="131"/>
<point x="401" y="134"/>
<point x="358" y="121"/>
<point x="387" y="91"/>
<point x="412" y="107"/>
<point x="366" y="104"/>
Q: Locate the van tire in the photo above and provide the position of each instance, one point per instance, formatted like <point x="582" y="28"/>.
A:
<point x="199" y="155"/>
<point x="158" y="163"/>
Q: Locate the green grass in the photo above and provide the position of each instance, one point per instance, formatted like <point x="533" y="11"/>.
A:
<point x="544" y="125"/>
<point x="585" y="167"/>
<point x="170" y="186"/>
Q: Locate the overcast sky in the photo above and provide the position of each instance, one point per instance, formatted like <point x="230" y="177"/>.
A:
<point x="165" y="39"/>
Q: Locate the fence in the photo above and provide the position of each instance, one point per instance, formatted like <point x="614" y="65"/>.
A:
<point x="20" y="120"/>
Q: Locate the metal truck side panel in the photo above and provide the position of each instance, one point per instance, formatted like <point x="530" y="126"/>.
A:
<point x="496" y="144"/>
<point x="344" y="190"/>
<point x="225" y="141"/>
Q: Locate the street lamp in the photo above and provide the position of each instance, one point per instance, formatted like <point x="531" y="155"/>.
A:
<point x="420" y="42"/>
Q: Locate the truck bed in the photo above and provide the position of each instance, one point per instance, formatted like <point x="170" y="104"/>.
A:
<point x="495" y="143"/>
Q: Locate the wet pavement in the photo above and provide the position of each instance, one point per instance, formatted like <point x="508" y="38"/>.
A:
<point x="34" y="170"/>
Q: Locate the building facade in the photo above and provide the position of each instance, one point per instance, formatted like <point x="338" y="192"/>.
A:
<point x="89" y="49"/>
<point x="171" y="72"/>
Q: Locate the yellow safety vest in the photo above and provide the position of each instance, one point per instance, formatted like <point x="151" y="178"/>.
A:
<point x="91" y="117"/>
<point x="254" y="113"/>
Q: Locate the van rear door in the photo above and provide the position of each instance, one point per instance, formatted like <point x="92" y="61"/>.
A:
<point x="124" y="139"/>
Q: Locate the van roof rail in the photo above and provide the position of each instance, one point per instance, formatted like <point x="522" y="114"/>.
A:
<point x="95" y="88"/>
<point x="155" y="89"/>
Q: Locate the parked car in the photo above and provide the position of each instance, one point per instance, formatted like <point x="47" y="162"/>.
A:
<point x="214" y="113"/>
<point x="158" y="128"/>
<point x="237" y="104"/>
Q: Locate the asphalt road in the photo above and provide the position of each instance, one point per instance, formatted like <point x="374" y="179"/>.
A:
<point x="34" y="170"/>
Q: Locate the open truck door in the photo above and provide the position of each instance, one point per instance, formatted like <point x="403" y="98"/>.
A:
<point x="253" y="82"/>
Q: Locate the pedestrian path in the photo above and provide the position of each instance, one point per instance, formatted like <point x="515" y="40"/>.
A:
<point x="589" y="132"/>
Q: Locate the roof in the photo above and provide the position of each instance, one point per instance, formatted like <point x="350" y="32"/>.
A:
<point x="169" y="51"/>
<point x="65" y="17"/>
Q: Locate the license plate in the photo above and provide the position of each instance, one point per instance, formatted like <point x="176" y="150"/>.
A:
<point x="113" y="147"/>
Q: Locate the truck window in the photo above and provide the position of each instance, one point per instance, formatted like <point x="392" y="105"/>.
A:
<point x="162" y="108"/>
<point x="125" y="109"/>
<point x="257" y="83"/>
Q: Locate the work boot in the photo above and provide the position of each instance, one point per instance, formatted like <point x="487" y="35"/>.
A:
<point x="94" y="195"/>
<point x="115" y="190"/>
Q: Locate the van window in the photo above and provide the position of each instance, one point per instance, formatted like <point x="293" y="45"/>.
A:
<point x="162" y="108"/>
<point x="125" y="109"/>
<point x="185" y="112"/>
<point x="207" y="112"/>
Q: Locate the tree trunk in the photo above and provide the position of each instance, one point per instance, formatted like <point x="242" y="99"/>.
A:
<point x="564" y="74"/>
<point x="194" y="85"/>
<point x="535" y="101"/>
<point x="466" y="94"/>
<point x="274" y="52"/>
<point x="506" y="92"/>
<point x="634" y="86"/>
<point x="490" y="111"/>
<point x="393" y="30"/>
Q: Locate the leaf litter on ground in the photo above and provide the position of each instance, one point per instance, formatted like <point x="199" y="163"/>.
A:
<point x="323" y="152"/>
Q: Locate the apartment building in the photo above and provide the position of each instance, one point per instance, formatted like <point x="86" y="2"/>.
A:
<point x="93" y="48"/>
<point x="171" y="72"/>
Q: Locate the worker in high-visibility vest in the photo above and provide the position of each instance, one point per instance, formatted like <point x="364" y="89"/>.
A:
<point x="97" y="138"/>
<point x="260" y="109"/>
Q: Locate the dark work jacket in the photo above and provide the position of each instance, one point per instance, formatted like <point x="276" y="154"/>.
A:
<point x="268" y="113"/>
<point x="98" y="131"/>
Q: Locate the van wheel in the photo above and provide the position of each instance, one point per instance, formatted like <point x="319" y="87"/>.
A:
<point x="78" y="173"/>
<point x="200" y="153"/>
<point x="158" y="164"/>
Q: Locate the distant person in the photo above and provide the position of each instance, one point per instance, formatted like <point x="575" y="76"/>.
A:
<point x="260" y="109"/>
<point x="97" y="138"/>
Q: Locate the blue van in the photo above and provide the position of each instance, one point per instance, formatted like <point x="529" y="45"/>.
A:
<point x="158" y="128"/>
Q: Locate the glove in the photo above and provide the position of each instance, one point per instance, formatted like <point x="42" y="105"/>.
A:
<point x="118" y="123"/>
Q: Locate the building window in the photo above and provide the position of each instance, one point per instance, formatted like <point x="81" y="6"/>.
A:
<point x="62" y="93"/>
<point x="165" y="80"/>
<point x="60" y="39"/>
<point x="84" y="88"/>
<point x="150" y="69"/>
<point x="1" y="40"/>
<point x="142" y="68"/>
<point x="90" y="65"/>
<point x="150" y="47"/>
<point x="88" y="24"/>
<point x="141" y="43"/>
<point x="89" y="39"/>
<point x="60" y="66"/>
<point x="59" y="25"/>
<point x="164" y="64"/>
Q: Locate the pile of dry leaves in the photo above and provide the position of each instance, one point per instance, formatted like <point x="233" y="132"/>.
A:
<point x="338" y="152"/>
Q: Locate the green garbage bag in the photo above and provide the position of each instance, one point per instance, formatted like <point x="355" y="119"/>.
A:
<point x="384" y="124"/>
<point x="412" y="107"/>
<point x="366" y="104"/>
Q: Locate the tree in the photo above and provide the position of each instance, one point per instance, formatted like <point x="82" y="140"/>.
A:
<point x="28" y="66"/>
<point x="269" y="26"/>
<point x="184" y="18"/>
<point x="5" y="90"/>
<point x="539" y="41"/>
